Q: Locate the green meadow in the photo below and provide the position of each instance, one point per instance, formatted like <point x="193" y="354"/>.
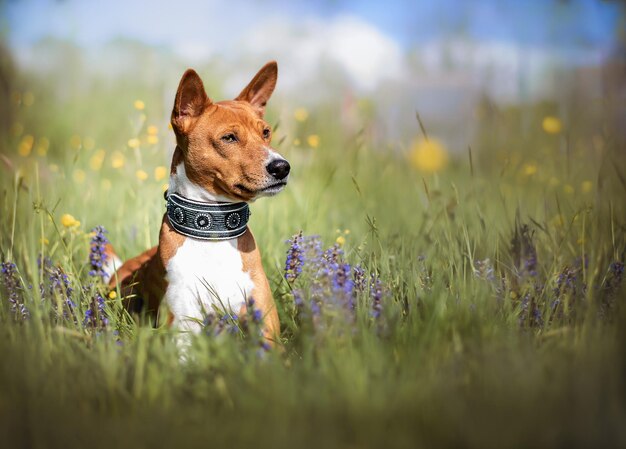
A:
<point x="469" y="297"/>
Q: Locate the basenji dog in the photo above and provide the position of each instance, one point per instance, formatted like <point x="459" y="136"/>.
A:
<point x="207" y="255"/>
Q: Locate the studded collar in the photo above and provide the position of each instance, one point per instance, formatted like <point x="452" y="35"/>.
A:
<point x="207" y="221"/>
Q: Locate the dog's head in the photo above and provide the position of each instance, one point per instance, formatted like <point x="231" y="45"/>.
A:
<point x="226" y="146"/>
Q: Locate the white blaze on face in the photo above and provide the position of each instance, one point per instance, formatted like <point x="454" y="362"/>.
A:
<point x="269" y="179"/>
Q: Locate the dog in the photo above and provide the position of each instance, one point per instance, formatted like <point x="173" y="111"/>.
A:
<point x="207" y="255"/>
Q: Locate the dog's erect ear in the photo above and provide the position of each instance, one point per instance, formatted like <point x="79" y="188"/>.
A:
<point x="191" y="99"/>
<point x="260" y="89"/>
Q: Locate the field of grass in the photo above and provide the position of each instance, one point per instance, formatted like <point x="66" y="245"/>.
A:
<point x="475" y="301"/>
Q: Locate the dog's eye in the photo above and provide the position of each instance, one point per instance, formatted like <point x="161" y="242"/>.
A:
<point x="229" y="138"/>
<point x="266" y="133"/>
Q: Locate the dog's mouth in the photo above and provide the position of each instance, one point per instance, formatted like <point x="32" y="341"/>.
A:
<point x="274" y="188"/>
<point x="270" y="190"/>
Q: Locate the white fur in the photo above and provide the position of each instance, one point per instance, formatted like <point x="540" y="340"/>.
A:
<point x="202" y="274"/>
<point x="180" y="183"/>
<point x="110" y="267"/>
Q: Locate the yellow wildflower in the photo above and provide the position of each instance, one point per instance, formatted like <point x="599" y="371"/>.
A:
<point x="26" y="145"/>
<point x="44" y="240"/>
<point x="586" y="186"/>
<point x="95" y="163"/>
<point x="106" y="184"/>
<point x="341" y="240"/>
<point x="117" y="160"/>
<point x="313" y="140"/>
<point x="554" y="181"/>
<point x="75" y="141"/>
<point x="569" y="189"/>
<point x="153" y="130"/>
<point x="301" y="114"/>
<point x="69" y="221"/>
<point x="529" y="169"/>
<point x="296" y="142"/>
<point x="551" y="124"/>
<point x="42" y="146"/>
<point x="54" y="168"/>
<point x="153" y="140"/>
<point x="134" y="143"/>
<point x="139" y="105"/>
<point x="79" y="176"/>
<point x="558" y="220"/>
<point x="141" y="175"/>
<point x="160" y="173"/>
<point x="112" y="294"/>
<point x="428" y="155"/>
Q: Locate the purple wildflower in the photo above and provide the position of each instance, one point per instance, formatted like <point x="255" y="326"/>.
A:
<point x="342" y="282"/>
<point x="13" y="288"/>
<point x="213" y="326"/>
<point x="616" y="269"/>
<point x="611" y="284"/>
<point x="60" y="285"/>
<point x="358" y="277"/>
<point x="255" y="313"/>
<point x="376" y="295"/>
<point x="43" y="263"/>
<point x="95" y="316"/>
<point x="566" y="282"/>
<point x="315" y="307"/>
<point x="297" y="298"/>
<point x="524" y="251"/>
<point x="331" y="285"/>
<point x="295" y="258"/>
<point x="333" y="254"/>
<point x="97" y="252"/>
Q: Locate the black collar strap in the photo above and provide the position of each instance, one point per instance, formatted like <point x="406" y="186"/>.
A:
<point x="207" y="221"/>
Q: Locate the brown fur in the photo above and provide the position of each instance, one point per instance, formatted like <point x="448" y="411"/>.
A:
<point x="232" y="169"/>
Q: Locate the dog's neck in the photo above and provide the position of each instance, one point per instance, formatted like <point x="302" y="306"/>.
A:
<point x="182" y="185"/>
<point x="195" y="212"/>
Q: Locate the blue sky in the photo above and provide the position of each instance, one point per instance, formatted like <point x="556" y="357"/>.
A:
<point x="574" y="23"/>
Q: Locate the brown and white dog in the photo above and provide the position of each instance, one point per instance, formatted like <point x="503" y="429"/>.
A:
<point x="223" y="156"/>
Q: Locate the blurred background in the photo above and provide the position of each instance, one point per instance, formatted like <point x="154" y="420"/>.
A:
<point x="370" y="64"/>
<point x="491" y="226"/>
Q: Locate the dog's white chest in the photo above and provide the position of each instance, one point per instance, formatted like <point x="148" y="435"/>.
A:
<point x="202" y="274"/>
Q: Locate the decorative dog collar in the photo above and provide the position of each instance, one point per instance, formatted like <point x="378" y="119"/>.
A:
<point x="207" y="221"/>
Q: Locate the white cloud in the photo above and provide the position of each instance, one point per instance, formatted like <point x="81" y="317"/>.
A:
<point x="356" y="48"/>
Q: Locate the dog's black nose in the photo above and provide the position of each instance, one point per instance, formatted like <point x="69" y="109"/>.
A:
<point x="278" y="168"/>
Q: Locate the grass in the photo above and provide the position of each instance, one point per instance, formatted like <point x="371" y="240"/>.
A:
<point x="502" y="321"/>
